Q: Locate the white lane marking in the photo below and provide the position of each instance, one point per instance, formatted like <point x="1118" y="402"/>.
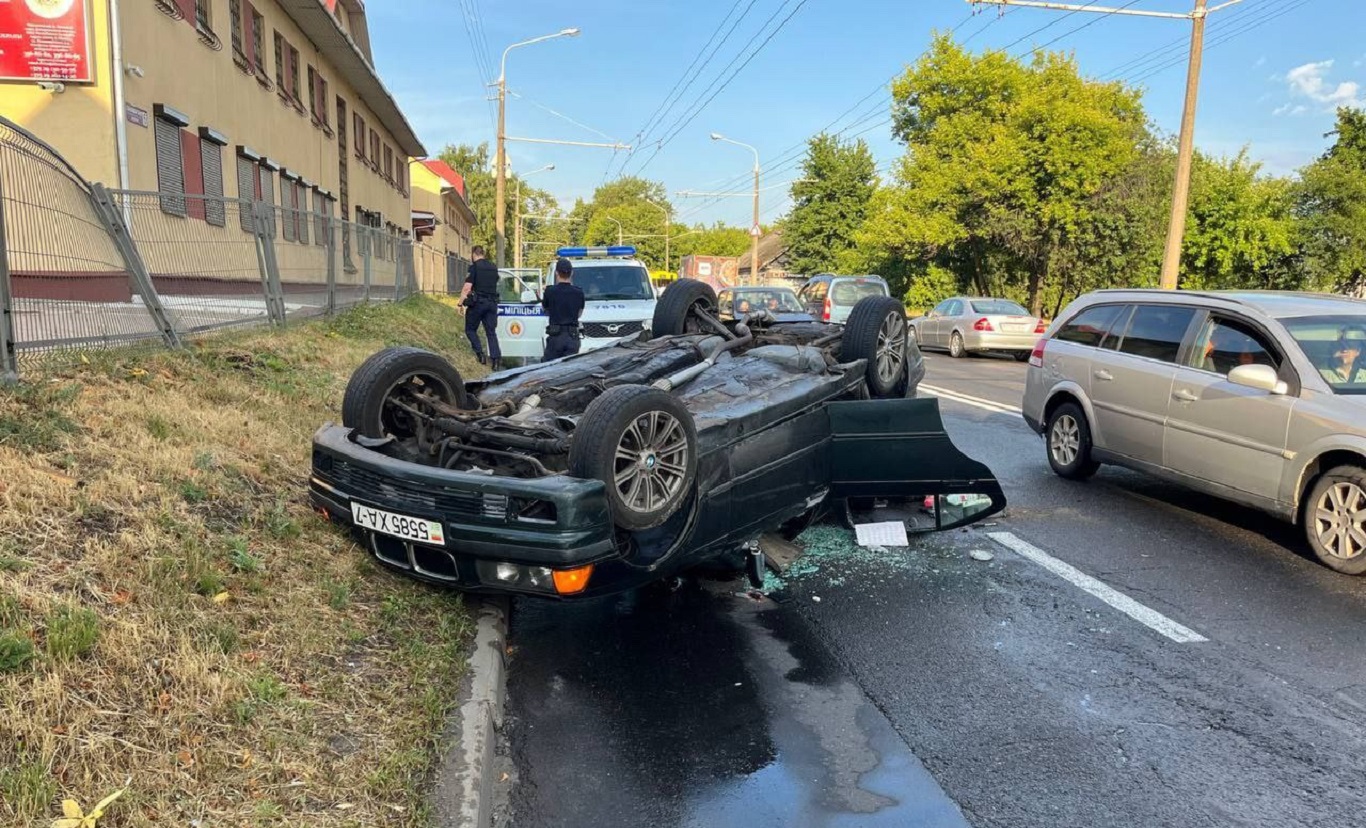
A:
<point x="966" y="399"/>
<point x="1146" y="616"/>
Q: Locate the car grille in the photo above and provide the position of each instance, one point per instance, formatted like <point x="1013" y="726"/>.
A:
<point x="422" y="499"/>
<point x="600" y="330"/>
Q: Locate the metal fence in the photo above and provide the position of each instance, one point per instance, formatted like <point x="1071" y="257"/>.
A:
<point x="84" y="267"/>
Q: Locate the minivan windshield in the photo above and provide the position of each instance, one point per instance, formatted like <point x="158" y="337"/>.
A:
<point x="614" y="282"/>
<point x="849" y="291"/>
<point x="997" y="307"/>
<point x="1336" y="345"/>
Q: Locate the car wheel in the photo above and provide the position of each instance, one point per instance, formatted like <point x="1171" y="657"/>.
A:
<point x="675" y="310"/>
<point x="1335" y="519"/>
<point x="956" y="347"/>
<point x="1069" y="443"/>
<point x="393" y="380"/>
<point x="1021" y="356"/>
<point x="642" y="444"/>
<point x="876" y="331"/>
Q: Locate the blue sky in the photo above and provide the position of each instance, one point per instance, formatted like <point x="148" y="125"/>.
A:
<point x="1274" y="71"/>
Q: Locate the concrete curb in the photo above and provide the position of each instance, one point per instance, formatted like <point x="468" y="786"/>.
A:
<point x="463" y="793"/>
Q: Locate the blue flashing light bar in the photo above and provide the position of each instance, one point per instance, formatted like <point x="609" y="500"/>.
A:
<point x="586" y="252"/>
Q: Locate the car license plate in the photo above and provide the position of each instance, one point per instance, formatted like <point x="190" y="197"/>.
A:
<point x="400" y="526"/>
<point x="1014" y="327"/>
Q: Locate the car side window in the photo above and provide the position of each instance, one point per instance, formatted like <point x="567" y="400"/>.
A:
<point x="1090" y="326"/>
<point x="941" y="309"/>
<point x="1156" y="331"/>
<point x="1223" y="344"/>
<point x="955" y="308"/>
<point x="819" y="290"/>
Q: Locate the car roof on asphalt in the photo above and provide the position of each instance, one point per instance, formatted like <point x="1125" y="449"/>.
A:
<point x="1274" y="303"/>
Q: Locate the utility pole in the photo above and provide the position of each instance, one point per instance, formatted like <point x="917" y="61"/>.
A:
<point x="1185" y="150"/>
<point x="753" y="230"/>
<point x="668" y="227"/>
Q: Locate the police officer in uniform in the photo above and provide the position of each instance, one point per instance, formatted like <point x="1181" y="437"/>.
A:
<point x="563" y="303"/>
<point x="480" y="296"/>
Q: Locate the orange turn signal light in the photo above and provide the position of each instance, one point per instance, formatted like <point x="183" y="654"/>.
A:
<point x="570" y="581"/>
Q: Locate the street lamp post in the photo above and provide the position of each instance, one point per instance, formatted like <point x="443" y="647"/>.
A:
<point x="668" y="227"/>
<point x="500" y="163"/>
<point x="753" y="231"/>
<point x="517" y="222"/>
<point x="620" y="230"/>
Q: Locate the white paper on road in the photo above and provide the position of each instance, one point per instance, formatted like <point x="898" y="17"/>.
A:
<point x="888" y="533"/>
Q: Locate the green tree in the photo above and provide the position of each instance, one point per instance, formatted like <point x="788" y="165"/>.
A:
<point x="1330" y="203"/>
<point x="1240" y="231"/>
<point x="1006" y="164"/>
<point x="475" y="165"/>
<point x="830" y="202"/>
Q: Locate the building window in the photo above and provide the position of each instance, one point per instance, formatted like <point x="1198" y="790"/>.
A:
<point x="388" y="164"/>
<point x="360" y="136"/>
<point x="239" y="52"/>
<point x="287" y="205"/>
<point x="256" y="44"/>
<point x="280" y="63"/>
<point x="313" y="93"/>
<point x="248" y="191"/>
<point x="322" y="104"/>
<point x="211" y="174"/>
<point x="374" y="150"/>
<point x="301" y="200"/>
<point x="266" y="192"/>
<point x="203" y="15"/>
<point x="293" y="68"/>
<point x="170" y="166"/>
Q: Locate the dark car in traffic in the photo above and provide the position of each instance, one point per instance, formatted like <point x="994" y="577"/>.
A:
<point x="608" y="469"/>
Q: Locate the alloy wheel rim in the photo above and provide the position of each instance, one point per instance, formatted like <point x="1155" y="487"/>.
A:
<point x="651" y="461"/>
<point x="891" y="349"/>
<point x="1338" y="520"/>
<point x="956" y="344"/>
<point x="1064" y="440"/>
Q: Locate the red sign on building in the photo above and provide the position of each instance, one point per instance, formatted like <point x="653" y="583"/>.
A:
<point x="45" y="40"/>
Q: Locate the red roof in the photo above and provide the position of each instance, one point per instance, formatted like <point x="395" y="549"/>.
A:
<point x="447" y="174"/>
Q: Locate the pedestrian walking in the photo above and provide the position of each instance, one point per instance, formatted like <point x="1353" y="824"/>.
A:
<point x="480" y="297"/>
<point x="563" y="303"/>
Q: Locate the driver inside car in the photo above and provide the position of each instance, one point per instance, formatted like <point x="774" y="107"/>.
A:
<point x="1344" y="366"/>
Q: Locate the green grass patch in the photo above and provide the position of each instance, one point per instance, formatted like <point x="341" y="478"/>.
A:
<point x="72" y="633"/>
<point x="36" y="415"/>
<point x="16" y="651"/>
<point x="28" y="788"/>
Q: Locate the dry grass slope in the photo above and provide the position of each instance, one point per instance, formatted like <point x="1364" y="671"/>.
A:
<point x="171" y="610"/>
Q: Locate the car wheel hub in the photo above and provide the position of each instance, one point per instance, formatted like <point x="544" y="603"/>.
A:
<point x="651" y="462"/>
<point x="1338" y="520"/>
<point x="891" y="349"/>
<point x="1064" y="440"/>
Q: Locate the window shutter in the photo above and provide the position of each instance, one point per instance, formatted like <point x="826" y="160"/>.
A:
<point x="186" y="10"/>
<point x="211" y="155"/>
<point x="170" y="171"/>
<point x="266" y="193"/>
<point x="301" y="201"/>
<point x="246" y="191"/>
<point x="287" y="207"/>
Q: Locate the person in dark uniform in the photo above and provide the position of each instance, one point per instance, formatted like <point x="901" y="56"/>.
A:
<point x="480" y="296"/>
<point x="563" y="303"/>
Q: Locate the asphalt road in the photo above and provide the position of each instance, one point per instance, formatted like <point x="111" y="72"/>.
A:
<point x="1132" y="654"/>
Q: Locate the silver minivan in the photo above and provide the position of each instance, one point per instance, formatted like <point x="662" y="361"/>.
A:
<point x="830" y="298"/>
<point x="1257" y="397"/>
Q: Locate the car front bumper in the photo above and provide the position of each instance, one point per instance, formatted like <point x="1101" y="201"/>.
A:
<point x="999" y="341"/>
<point x="481" y="519"/>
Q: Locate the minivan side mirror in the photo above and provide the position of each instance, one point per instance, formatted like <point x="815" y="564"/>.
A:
<point x="1261" y="377"/>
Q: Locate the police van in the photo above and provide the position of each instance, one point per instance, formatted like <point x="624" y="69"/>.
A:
<point x="619" y="300"/>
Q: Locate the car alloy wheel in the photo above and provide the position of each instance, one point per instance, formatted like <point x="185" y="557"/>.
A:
<point x="1064" y="440"/>
<point x="651" y="461"/>
<point x="1338" y="518"/>
<point x="956" y="348"/>
<point x="891" y="349"/>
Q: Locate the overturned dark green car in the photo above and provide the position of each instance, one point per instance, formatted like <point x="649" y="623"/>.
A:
<point x="609" y="469"/>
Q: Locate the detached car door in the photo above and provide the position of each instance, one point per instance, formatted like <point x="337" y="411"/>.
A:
<point x="899" y="448"/>
<point x="1131" y="387"/>
<point x="1225" y="434"/>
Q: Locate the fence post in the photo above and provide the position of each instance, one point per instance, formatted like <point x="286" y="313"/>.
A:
<point x="265" y="258"/>
<point x="330" y="238"/>
<point x="137" y="269"/>
<point x="9" y="346"/>
<point x="404" y="269"/>
<point x="367" y="252"/>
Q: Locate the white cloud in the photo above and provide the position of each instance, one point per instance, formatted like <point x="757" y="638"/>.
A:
<point x="1261" y="61"/>
<point x="1290" y="109"/>
<point x="1309" y="81"/>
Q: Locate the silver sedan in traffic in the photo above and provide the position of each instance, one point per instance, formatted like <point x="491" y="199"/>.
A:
<point x="967" y="324"/>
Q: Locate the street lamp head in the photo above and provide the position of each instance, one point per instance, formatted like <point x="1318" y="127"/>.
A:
<point x="549" y="167"/>
<point x="572" y="32"/>
<point x="716" y="136"/>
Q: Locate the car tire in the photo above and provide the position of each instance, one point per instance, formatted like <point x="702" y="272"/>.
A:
<point x="1021" y="356"/>
<point x="649" y="425"/>
<point x="876" y="331"/>
<point x="1337" y="497"/>
<point x="1071" y="456"/>
<point x="365" y="405"/>
<point x="957" y="349"/>
<point x="674" y="310"/>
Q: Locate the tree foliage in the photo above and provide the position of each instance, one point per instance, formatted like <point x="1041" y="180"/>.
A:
<point x="475" y="164"/>
<point x="1330" y="205"/>
<point x="830" y="202"/>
